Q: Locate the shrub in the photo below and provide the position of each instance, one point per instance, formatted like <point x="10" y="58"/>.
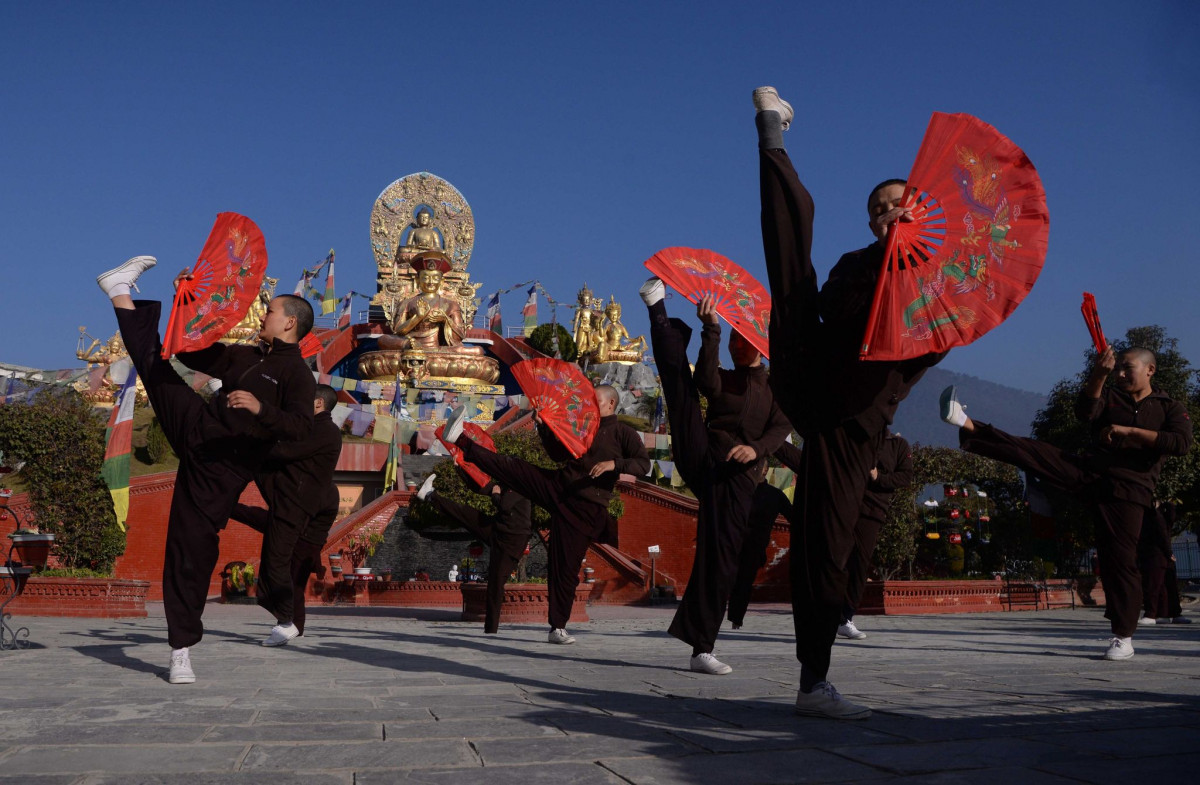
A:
<point x="157" y="446"/>
<point x="61" y="437"/>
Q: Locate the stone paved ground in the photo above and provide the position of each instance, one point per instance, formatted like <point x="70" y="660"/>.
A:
<point x="416" y="696"/>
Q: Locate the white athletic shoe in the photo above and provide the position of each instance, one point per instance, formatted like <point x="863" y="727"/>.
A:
<point x="559" y="635"/>
<point x="848" y="630"/>
<point x="1147" y="620"/>
<point x="706" y="663"/>
<point x="120" y="280"/>
<point x="281" y="634"/>
<point x="181" y="667"/>
<point x="1119" y="649"/>
<point x="454" y="424"/>
<point x="826" y="701"/>
<point x="426" y="487"/>
<point x="766" y="99"/>
<point x="953" y="412"/>
<point x="652" y="291"/>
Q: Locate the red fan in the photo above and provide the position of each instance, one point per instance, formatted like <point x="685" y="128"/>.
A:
<point x="741" y="300"/>
<point x="563" y="398"/>
<point x="225" y="281"/>
<point x="975" y="245"/>
<point x="310" y="346"/>
<point x="477" y="435"/>
<point x="1092" y="318"/>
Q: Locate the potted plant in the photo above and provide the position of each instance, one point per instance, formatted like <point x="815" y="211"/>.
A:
<point x="335" y="565"/>
<point x="236" y="580"/>
<point x="361" y="545"/>
<point x="31" y="547"/>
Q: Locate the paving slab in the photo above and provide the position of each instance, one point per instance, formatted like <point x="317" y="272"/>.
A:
<point x="392" y="695"/>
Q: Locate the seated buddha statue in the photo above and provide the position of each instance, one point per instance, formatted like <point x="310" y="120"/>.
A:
<point x="614" y="344"/>
<point x="423" y="236"/>
<point x="428" y="326"/>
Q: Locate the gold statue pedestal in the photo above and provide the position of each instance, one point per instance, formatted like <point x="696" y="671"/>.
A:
<point x="420" y="365"/>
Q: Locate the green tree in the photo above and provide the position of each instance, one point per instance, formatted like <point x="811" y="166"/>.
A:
<point x="61" y="437"/>
<point x="157" y="446"/>
<point x="897" y="549"/>
<point x="542" y="339"/>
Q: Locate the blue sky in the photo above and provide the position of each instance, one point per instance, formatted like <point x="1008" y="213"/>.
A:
<point x="585" y="137"/>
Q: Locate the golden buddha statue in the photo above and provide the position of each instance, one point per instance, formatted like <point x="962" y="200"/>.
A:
<point x="423" y="236"/>
<point x="587" y="323"/>
<point x="614" y="344"/>
<point x="247" y="329"/>
<point x="104" y="354"/>
<point x="429" y="325"/>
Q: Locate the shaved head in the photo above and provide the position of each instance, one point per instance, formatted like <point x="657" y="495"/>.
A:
<point x="1141" y="354"/>
<point x="607" y="399"/>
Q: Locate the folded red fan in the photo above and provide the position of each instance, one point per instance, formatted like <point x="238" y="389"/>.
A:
<point x="1091" y="317"/>
<point x="477" y="435"/>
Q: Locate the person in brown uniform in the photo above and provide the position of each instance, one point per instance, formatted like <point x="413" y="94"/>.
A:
<point x="893" y="471"/>
<point x="266" y="396"/>
<point x="576" y="495"/>
<point x="1135" y="427"/>
<point x="719" y="456"/>
<point x="840" y="405"/>
<point x="506" y="534"/>
<point x="297" y="483"/>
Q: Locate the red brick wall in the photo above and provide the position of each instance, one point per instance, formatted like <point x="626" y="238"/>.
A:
<point x="653" y="516"/>
<point x="656" y="516"/>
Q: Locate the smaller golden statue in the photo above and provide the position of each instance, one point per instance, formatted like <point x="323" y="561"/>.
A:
<point x="587" y="323"/>
<point x="614" y="344"/>
<point x="97" y="354"/>
<point x="423" y="236"/>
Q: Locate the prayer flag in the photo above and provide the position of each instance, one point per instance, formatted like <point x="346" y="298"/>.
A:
<point x="530" y="311"/>
<point x="329" y="302"/>
<point x="343" y="317"/>
<point x="118" y="446"/>
<point x="493" y="314"/>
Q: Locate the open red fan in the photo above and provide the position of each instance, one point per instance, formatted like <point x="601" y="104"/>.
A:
<point x="563" y="398"/>
<point x="225" y="281"/>
<point x="741" y="300"/>
<point x="477" y="435"/>
<point x="1091" y="317"/>
<point x="975" y="245"/>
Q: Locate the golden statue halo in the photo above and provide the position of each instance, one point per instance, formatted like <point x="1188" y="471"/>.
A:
<point x="396" y="210"/>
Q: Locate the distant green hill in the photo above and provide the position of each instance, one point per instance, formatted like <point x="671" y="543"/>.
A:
<point x="1007" y="408"/>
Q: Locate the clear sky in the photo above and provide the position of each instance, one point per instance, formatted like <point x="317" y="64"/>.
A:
<point x="585" y="136"/>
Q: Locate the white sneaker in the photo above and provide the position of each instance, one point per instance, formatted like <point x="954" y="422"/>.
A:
<point x="120" y="280"/>
<point x="953" y="412"/>
<point x="281" y="634"/>
<point x="848" y="630"/>
<point x="1146" y="620"/>
<point x="706" y="663"/>
<point x="181" y="667"/>
<point x="454" y="424"/>
<point x="766" y="99"/>
<point x="652" y="291"/>
<point x="826" y="701"/>
<point x="559" y="635"/>
<point x="426" y="487"/>
<point x="1119" y="649"/>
